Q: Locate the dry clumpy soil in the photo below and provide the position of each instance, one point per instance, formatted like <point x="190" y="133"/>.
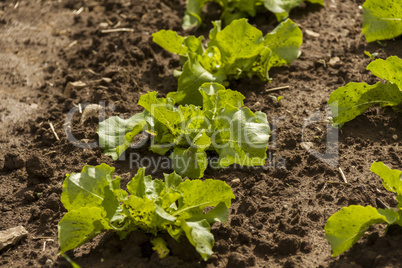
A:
<point x="278" y="216"/>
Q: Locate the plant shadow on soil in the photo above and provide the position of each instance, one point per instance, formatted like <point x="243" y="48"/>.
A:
<point x="278" y="216"/>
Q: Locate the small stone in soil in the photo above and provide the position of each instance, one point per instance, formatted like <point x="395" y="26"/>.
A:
<point x="312" y="34"/>
<point x="12" y="236"/>
<point x="235" y="182"/>
<point x="333" y="61"/>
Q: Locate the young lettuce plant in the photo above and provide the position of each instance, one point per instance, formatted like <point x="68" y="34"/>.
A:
<point x="382" y="19"/>
<point x="235" y="9"/>
<point x="353" y="99"/>
<point x="222" y="124"/>
<point x="347" y="226"/>
<point x="95" y="204"/>
<point x="236" y="51"/>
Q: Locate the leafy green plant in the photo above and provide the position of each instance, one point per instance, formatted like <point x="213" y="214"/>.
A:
<point x="96" y="203"/>
<point x="353" y="99"/>
<point x="382" y="19"/>
<point x="235" y="9"/>
<point x="347" y="226"/>
<point x="222" y="125"/>
<point x="236" y="51"/>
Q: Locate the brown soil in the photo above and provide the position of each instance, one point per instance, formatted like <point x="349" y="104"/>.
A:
<point x="278" y="217"/>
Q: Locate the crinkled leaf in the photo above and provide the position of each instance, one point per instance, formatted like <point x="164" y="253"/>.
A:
<point x="164" y="215"/>
<point x="114" y="212"/>
<point x="80" y="225"/>
<point x="391" y="178"/>
<point x="347" y="226"/>
<point x="262" y="65"/>
<point x="194" y="44"/>
<point x="173" y="126"/>
<point x="162" y="110"/>
<point x="142" y="213"/>
<point x="86" y="188"/>
<point x="242" y="137"/>
<point x="175" y="231"/>
<point x="192" y="17"/>
<point x="190" y="162"/>
<point x="199" y="235"/>
<point x="200" y="194"/>
<point x="277" y="48"/>
<point x="202" y="140"/>
<point x="210" y="89"/>
<point x="220" y="213"/>
<point x="215" y="97"/>
<point x="284" y="41"/>
<point x="389" y="69"/>
<point x="382" y="19"/>
<point x="116" y="134"/>
<point x="172" y="180"/>
<point x="215" y="30"/>
<point x="192" y="77"/>
<point x="239" y="136"/>
<point x="144" y="186"/>
<point x="353" y="99"/>
<point x="281" y="8"/>
<point x="177" y="44"/>
<point x="211" y="59"/>
<point x="194" y="122"/>
<point x="169" y="200"/>
<point x="226" y="97"/>
<point x="94" y="186"/>
<point x="170" y="41"/>
<point x="239" y="44"/>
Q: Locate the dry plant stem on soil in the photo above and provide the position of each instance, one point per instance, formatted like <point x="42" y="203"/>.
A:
<point x="343" y="175"/>
<point x="276" y="89"/>
<point x="54" y="132"/>
<point x="117" y="30"/>
<point x="382" y="203"/>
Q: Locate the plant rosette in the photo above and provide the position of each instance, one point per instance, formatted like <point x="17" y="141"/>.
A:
<point x="96" y="203"/>
<point x="222" y="124"/>
<point x="236" y="51"/>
